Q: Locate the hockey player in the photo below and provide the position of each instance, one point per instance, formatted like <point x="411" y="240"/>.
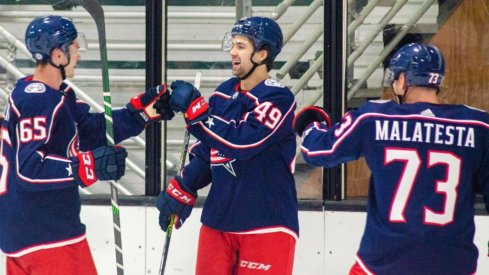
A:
<point x="246" y="148"/>
<point x="428" y="161"/>
<point x="51" y="145"/>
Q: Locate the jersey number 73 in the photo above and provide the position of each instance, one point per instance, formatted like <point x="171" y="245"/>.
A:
<point x="412" y="164"/>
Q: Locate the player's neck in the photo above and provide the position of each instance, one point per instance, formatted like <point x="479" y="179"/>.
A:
<point x="420" y="94"/>
<point x="48" y="75"/>
<point x="255" y="78"/>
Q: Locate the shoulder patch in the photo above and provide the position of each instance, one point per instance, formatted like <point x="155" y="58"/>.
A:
<point x="35" y="88"/>
<point x="274" y="83"/>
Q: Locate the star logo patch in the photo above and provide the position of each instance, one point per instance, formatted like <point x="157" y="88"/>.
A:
<point x="210" y="122"/>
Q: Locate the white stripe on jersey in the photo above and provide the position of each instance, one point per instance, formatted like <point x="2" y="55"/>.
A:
<point x="46" y="246"/>
<point x="362" y="265"/>
<point x="367" y="115"/>
<point x="55" y="112"/>
<point x="266" y="230"/>
<point x="244" y="146"/>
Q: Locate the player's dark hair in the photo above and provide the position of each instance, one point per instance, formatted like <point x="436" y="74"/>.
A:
<point x="268" y="61"/>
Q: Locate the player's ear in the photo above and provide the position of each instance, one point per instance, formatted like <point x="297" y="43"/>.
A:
<point x="260" y="56"/>
<point x="400" y="85"/>
<point x="403" y="80"/>
<point x="57" y="55"/>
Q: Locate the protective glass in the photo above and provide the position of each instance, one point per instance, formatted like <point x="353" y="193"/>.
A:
<point x="227" y="42"/>
<point x="388" y="78"/>
<point x="82" y="42"/>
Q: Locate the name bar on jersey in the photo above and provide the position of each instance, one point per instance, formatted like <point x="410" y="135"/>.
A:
<point x="426" y="132"/>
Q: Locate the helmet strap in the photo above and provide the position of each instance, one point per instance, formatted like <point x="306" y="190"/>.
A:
<point x="61" y="67"/>
<point x="401" y="97"/>
<point x="255" y="65"/>
<point x="62" y="71"/>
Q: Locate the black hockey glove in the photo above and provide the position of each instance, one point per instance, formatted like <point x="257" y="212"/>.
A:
<point x="144" y="109"/>
<point x="307" y="116"/>
<point x="103" y="163"/>
<point x="175" y="200"/>
<point x="187" y="99"/>
<point x="162" y="106"/>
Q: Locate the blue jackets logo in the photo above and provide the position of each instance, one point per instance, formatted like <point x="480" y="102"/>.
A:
<point x="274" y="83"/>
<point x="35" y="88"/>
<point x="218" y="159"/>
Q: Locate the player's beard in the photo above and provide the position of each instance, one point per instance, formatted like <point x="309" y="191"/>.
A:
<point x="239" y="70"/>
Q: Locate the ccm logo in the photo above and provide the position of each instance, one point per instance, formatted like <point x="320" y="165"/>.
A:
<point x="87" y="162"/>
<point x="179" y="195"/>
<point x="252" y="265"/>
<point x="198" y="105"/>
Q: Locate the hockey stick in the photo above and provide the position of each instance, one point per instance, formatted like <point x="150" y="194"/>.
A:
<point x="183" y="156"/>
<point x="95" y="10"/>
<point x="169" y="229"/>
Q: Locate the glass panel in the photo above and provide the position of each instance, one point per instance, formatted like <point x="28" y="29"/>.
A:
<point x="125" y="31"/>
<point x="198" y="43"/>
<point x="457" y="28"/>
<point x="195" y="32"/>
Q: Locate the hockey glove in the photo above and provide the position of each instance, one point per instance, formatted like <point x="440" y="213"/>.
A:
<point x="162" y="106"/>
<point x="187" y="99"/>
<point x="307" y="116"/>
<point x="144" y="109"/>
<point x="176" y="200"/>
<point x="103" y="163"/>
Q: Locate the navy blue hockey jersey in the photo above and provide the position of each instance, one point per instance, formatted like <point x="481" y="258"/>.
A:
<point x="247" y="149"/>
<point x="43" y="128"/>
<point x="427" y="162"/>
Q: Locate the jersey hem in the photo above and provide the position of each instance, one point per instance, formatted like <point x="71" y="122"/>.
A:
<point x="363" y="266"/>
<point x="266" y="230"/>
<point x="34" y="248"/>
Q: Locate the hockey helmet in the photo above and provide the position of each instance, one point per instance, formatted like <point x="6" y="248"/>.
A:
<point x="423" y="65"/>
<point x="262" y="31"/>
<point x="46" y="33"/>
